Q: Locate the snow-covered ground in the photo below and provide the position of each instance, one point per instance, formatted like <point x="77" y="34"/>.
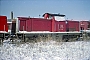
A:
<point x="49" y="50"/>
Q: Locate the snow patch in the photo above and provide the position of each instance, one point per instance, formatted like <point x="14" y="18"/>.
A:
<point x="49" y="50"/>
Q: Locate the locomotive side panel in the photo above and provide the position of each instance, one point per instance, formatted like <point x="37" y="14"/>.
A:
<point x="72" y="26"/>
<point x="3" y="23"/>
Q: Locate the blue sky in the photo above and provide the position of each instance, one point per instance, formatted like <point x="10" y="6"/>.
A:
<point x="73" y="9"/>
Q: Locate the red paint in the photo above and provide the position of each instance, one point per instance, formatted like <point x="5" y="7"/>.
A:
<point x="23" y="25"/>
<point x="29" y="25"/>
<point x="41" y="25"/>
<point x="53" y="24"/>
<point x="60" y="26"/>
<point x="72" y="25"/>
<point x="83" y="25"/>
<point x="35" y="24"/>
<point x="3" y="23"/>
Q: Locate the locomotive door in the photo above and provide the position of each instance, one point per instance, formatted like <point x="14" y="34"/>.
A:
<point x="23" y="25"/>
<point x="28" y="25"/>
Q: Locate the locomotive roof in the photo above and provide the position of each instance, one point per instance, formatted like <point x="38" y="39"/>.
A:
<point x="54" y="14"/>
